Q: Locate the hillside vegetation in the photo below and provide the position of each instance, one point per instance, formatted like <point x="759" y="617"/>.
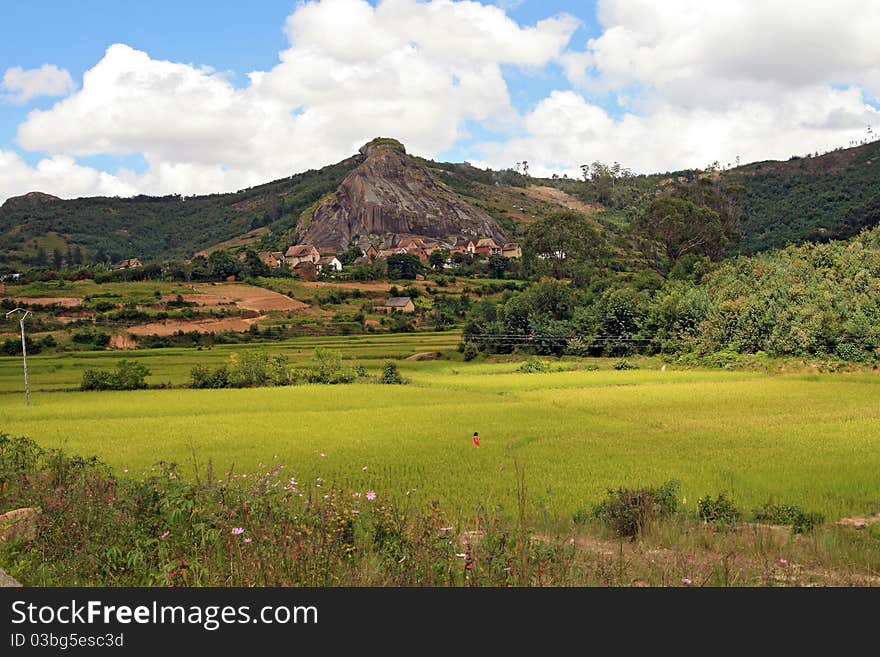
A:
<point x="155" y="227"/>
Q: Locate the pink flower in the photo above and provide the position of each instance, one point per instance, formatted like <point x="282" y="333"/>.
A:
<point x="248" y="540"/>
<point x="783" y="562"/>
<point x="165" y="534"/>
<point x="237" y="530"/>
<point x="371" y="495"/>
<point x="686" y="581"/>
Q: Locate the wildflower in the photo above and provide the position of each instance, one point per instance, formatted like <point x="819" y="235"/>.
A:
<point x="460" y="555"/>
<point x="248" y="540"/>
<point x="166" y="534"/>
<point x="125" y="470"/>
<point x="371" y="495"/>
<point x="783" y="562"/>
<point x="446" y="529"/>
<point x="323" y="454"/>
<point x="686" y="581"/>
<point x="402" y="559"/>
<point x="364" y="469"/>
<point x="244" y="505"/>
<point x="237" y="530"/>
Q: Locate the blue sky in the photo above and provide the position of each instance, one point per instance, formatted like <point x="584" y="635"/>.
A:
<point x="661" y="86"/>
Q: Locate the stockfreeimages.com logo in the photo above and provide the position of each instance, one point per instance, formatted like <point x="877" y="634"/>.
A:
<point x="210" y="617"/>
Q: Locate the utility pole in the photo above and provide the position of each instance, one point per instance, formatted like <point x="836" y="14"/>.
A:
<point x="27" y="390"/>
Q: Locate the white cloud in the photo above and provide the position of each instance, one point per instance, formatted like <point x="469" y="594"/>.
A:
<point x="565" y="130"/>
<point x="59" y="175"/>
<point x="699" y="82"/>
<point x="707" y="80"/>
<point x="413" y="70"/>
<point x="48" y="80"/>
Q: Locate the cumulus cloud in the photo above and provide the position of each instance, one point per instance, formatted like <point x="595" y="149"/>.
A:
<point x="417" y="71"/>
<point x="705" y="81"/>
<point x="697" y="82"/>
<point x="21" y="85"/>
<point x="59" y="175"/>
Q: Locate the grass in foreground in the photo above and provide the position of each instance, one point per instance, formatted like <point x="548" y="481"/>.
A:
<point x="272" y="529"/>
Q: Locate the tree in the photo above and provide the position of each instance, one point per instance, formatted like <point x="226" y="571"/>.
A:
<point x="403" y="265"/>
<point x="438" y="258"/>
<point x="498" y="265"/>
<point x="57" y="259"/>
<point x="352" y="253"/>
<point x="252" y="265"/>
<point x="222" y="265"/>
<point x="672" y="227"/>
<point x="562" y="245"/>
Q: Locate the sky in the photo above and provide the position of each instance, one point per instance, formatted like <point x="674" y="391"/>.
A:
<point x="102" y="97"/>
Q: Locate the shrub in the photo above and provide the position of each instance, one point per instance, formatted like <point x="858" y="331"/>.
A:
<point x="327" y="369"/>
<point x="203" y="377"/>
<point x="93" y="339"/>
<point x="534" y="365"/>
<point x="720" y="511"/>
<point x="666" y="498"/>
<point x="627" y="511"/>
<point x="789" y="514"/>
<point x="390" y="374"/>
<point x="470" y="350"/>
<point x="128" y="375"/>
<point x="624" y="364"/>
<point x="577" y="346"/>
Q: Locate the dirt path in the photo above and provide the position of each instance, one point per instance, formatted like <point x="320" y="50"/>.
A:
<point x="558" y="197"/>
<point x="172" y="326"/>
<point x="65" y="302"/>
<point x="247" y="297"/>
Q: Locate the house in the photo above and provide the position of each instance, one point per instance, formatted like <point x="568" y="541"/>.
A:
<point x="127" y="264"/>
<point x="463" y="246"/>
<point x="400" y="304"/>
<point x="200" y="254"/>
<point x="271" y="258"/>
<point x="329" y="264"/>
<point x="306" y="270"/>
<point x="412" y="244"/>
<point x="301" y="253"/>
<point x="487" y="246"/>
<point x="372" y="252"/>
<point x="511" y="250"/>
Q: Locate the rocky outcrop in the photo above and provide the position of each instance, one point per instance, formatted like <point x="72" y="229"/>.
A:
<point x="31" y="199"/>
<point x="388" y="197"/>
<point x="19" y="523"/>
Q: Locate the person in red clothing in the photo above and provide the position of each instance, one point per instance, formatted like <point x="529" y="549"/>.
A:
<point x="476" y="440"/>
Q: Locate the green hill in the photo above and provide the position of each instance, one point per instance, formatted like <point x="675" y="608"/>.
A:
<point x="814" y="198"/>
<point x="156" y="227"/>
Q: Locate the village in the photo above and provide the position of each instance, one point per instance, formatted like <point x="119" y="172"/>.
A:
<point x="307" y="261"/>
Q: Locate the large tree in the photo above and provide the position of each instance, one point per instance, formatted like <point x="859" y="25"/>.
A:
<point x="563" y="245"/>
<point x="671" y="227"/>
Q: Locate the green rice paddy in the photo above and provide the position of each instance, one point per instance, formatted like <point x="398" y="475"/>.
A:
<point x="811" y="440"/>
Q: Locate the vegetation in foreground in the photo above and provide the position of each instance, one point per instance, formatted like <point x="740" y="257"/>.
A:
<point x="273" y="529"/>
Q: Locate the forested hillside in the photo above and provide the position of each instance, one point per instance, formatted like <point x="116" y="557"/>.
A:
<point x="34" y="227"/>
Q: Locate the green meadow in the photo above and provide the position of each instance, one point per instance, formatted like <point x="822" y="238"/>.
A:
<point x="812" y="440"/>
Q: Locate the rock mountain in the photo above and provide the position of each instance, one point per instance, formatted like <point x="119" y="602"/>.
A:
<point x="391" y="196"/>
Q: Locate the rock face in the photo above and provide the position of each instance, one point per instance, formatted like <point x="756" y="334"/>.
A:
<point x="389" y="197"/>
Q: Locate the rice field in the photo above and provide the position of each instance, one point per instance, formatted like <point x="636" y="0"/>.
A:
<point x="812" y="440"/>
